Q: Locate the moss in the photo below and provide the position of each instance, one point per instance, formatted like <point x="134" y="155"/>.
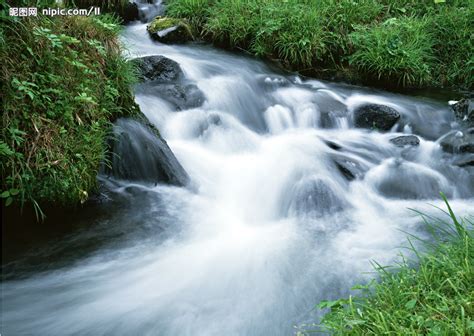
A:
<point x="63" y="82"/>
<point x="162" y="23"/>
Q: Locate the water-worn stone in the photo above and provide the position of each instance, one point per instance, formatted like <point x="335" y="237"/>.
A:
<point x="181" y="96"/>
<point x="375" y="116"/>
<point x="138" y="153"/>
<point x="170" y="30"/>
<point x="407" y="180"/>
<point x="348" y="167"/>
<point x="458" y="141"/>
<point x="464" y="111"/>
<point x="464" y="161"/>
<point x="158" y="68"/>
<point x="315" y="197"/>
<point x="405" y="140"/>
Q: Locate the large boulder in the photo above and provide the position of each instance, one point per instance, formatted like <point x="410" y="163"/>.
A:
<point x="374" y="116"/>
<point x="405" y="140"/>
<point x="170" y="30"/>
<point x="464" y="111"/>
<point x="458" y="141"/>
<point x="139" y="153"/>
<point x="158" y="68"/>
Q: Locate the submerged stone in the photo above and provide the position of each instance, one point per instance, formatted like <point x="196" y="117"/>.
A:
<point x="407" y="180"/>
<point x="458" y="141"/>
<point x="405" y="140"/>
<point x="315" y="197"/>
<point x="349" y="168"/>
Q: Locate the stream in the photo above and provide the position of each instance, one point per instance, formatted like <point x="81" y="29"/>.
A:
<point x="288" y="203"/>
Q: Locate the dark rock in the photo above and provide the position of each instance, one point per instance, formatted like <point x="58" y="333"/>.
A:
<point x="464" y="161"/>
<point x="405" y="140"/>
<point x="138" y="153"/>
<point x="458" y="141"/>
<point x="158" y="68"/>
<point x="182" y="97"/>
<point x="375" y="116"/>
<point x="332" y="145"/>
<point x="348" y="167"/>
<point x="314" y="197"/>
<point x="170" y="30"/>
<point x="464" y="111"/>
<point x="129" y="12"/>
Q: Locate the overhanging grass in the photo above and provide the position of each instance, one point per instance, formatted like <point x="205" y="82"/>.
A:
<point x="404" y="43"/>
<point x="434" y="298"/>
<point x="63" y="81"/>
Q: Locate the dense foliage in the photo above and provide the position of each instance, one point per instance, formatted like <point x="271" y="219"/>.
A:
<point x="63" y="81"/>
<point x="436" y="298"/>
<point x="409" y="42"/>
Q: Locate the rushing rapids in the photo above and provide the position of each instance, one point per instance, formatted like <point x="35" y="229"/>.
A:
<point x="287" y="203"/>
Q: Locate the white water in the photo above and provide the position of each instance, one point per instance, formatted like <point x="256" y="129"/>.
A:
<point x="269" y="226"/>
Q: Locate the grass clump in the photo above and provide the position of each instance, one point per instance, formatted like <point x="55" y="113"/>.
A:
<point x="405" y="42"/>
<point x="398" y="49"/>
<point x="435" y="298"/>
<point x="63" y="81"/>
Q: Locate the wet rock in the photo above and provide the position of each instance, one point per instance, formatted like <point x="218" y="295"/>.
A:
<point x="158" y="68"/>
<point x="181" y="96"/>
<point x="332" y="145"/>
<point x="405" y="140"/>
<point x="129" y="12"/>
<point x="406" y="180"/>
<point x="138" y="153"/>
<point x="349" y="168"/>
<point x="374" y="116"/>
<point x="458" y="141"/>
<point x="170" y="30"/>
<point x="315" y="197"/>
<point x="464" y="161"/>
<point x="464" y="111"/>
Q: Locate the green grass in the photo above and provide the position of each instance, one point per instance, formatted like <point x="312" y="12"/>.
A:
<point x="63" y="81"/>
<point x="431" y="295"/>
<point x="407" y="43"/>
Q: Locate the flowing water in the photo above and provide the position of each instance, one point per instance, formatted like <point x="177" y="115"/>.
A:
<point x="269" y="225"/>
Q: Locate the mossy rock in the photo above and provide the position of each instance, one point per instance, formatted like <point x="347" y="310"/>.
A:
<point x="170" y="30"/>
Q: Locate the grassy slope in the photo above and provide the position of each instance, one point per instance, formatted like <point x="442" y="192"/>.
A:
<point x="407" y="42"/>
<point x="63" y="81"/>
<point x="436" y="298"/>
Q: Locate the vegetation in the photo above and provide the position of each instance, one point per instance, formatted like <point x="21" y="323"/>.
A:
<point x="436" y="298"/>
<point x="408" y="42"/>
<point x="63" y="81"/>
